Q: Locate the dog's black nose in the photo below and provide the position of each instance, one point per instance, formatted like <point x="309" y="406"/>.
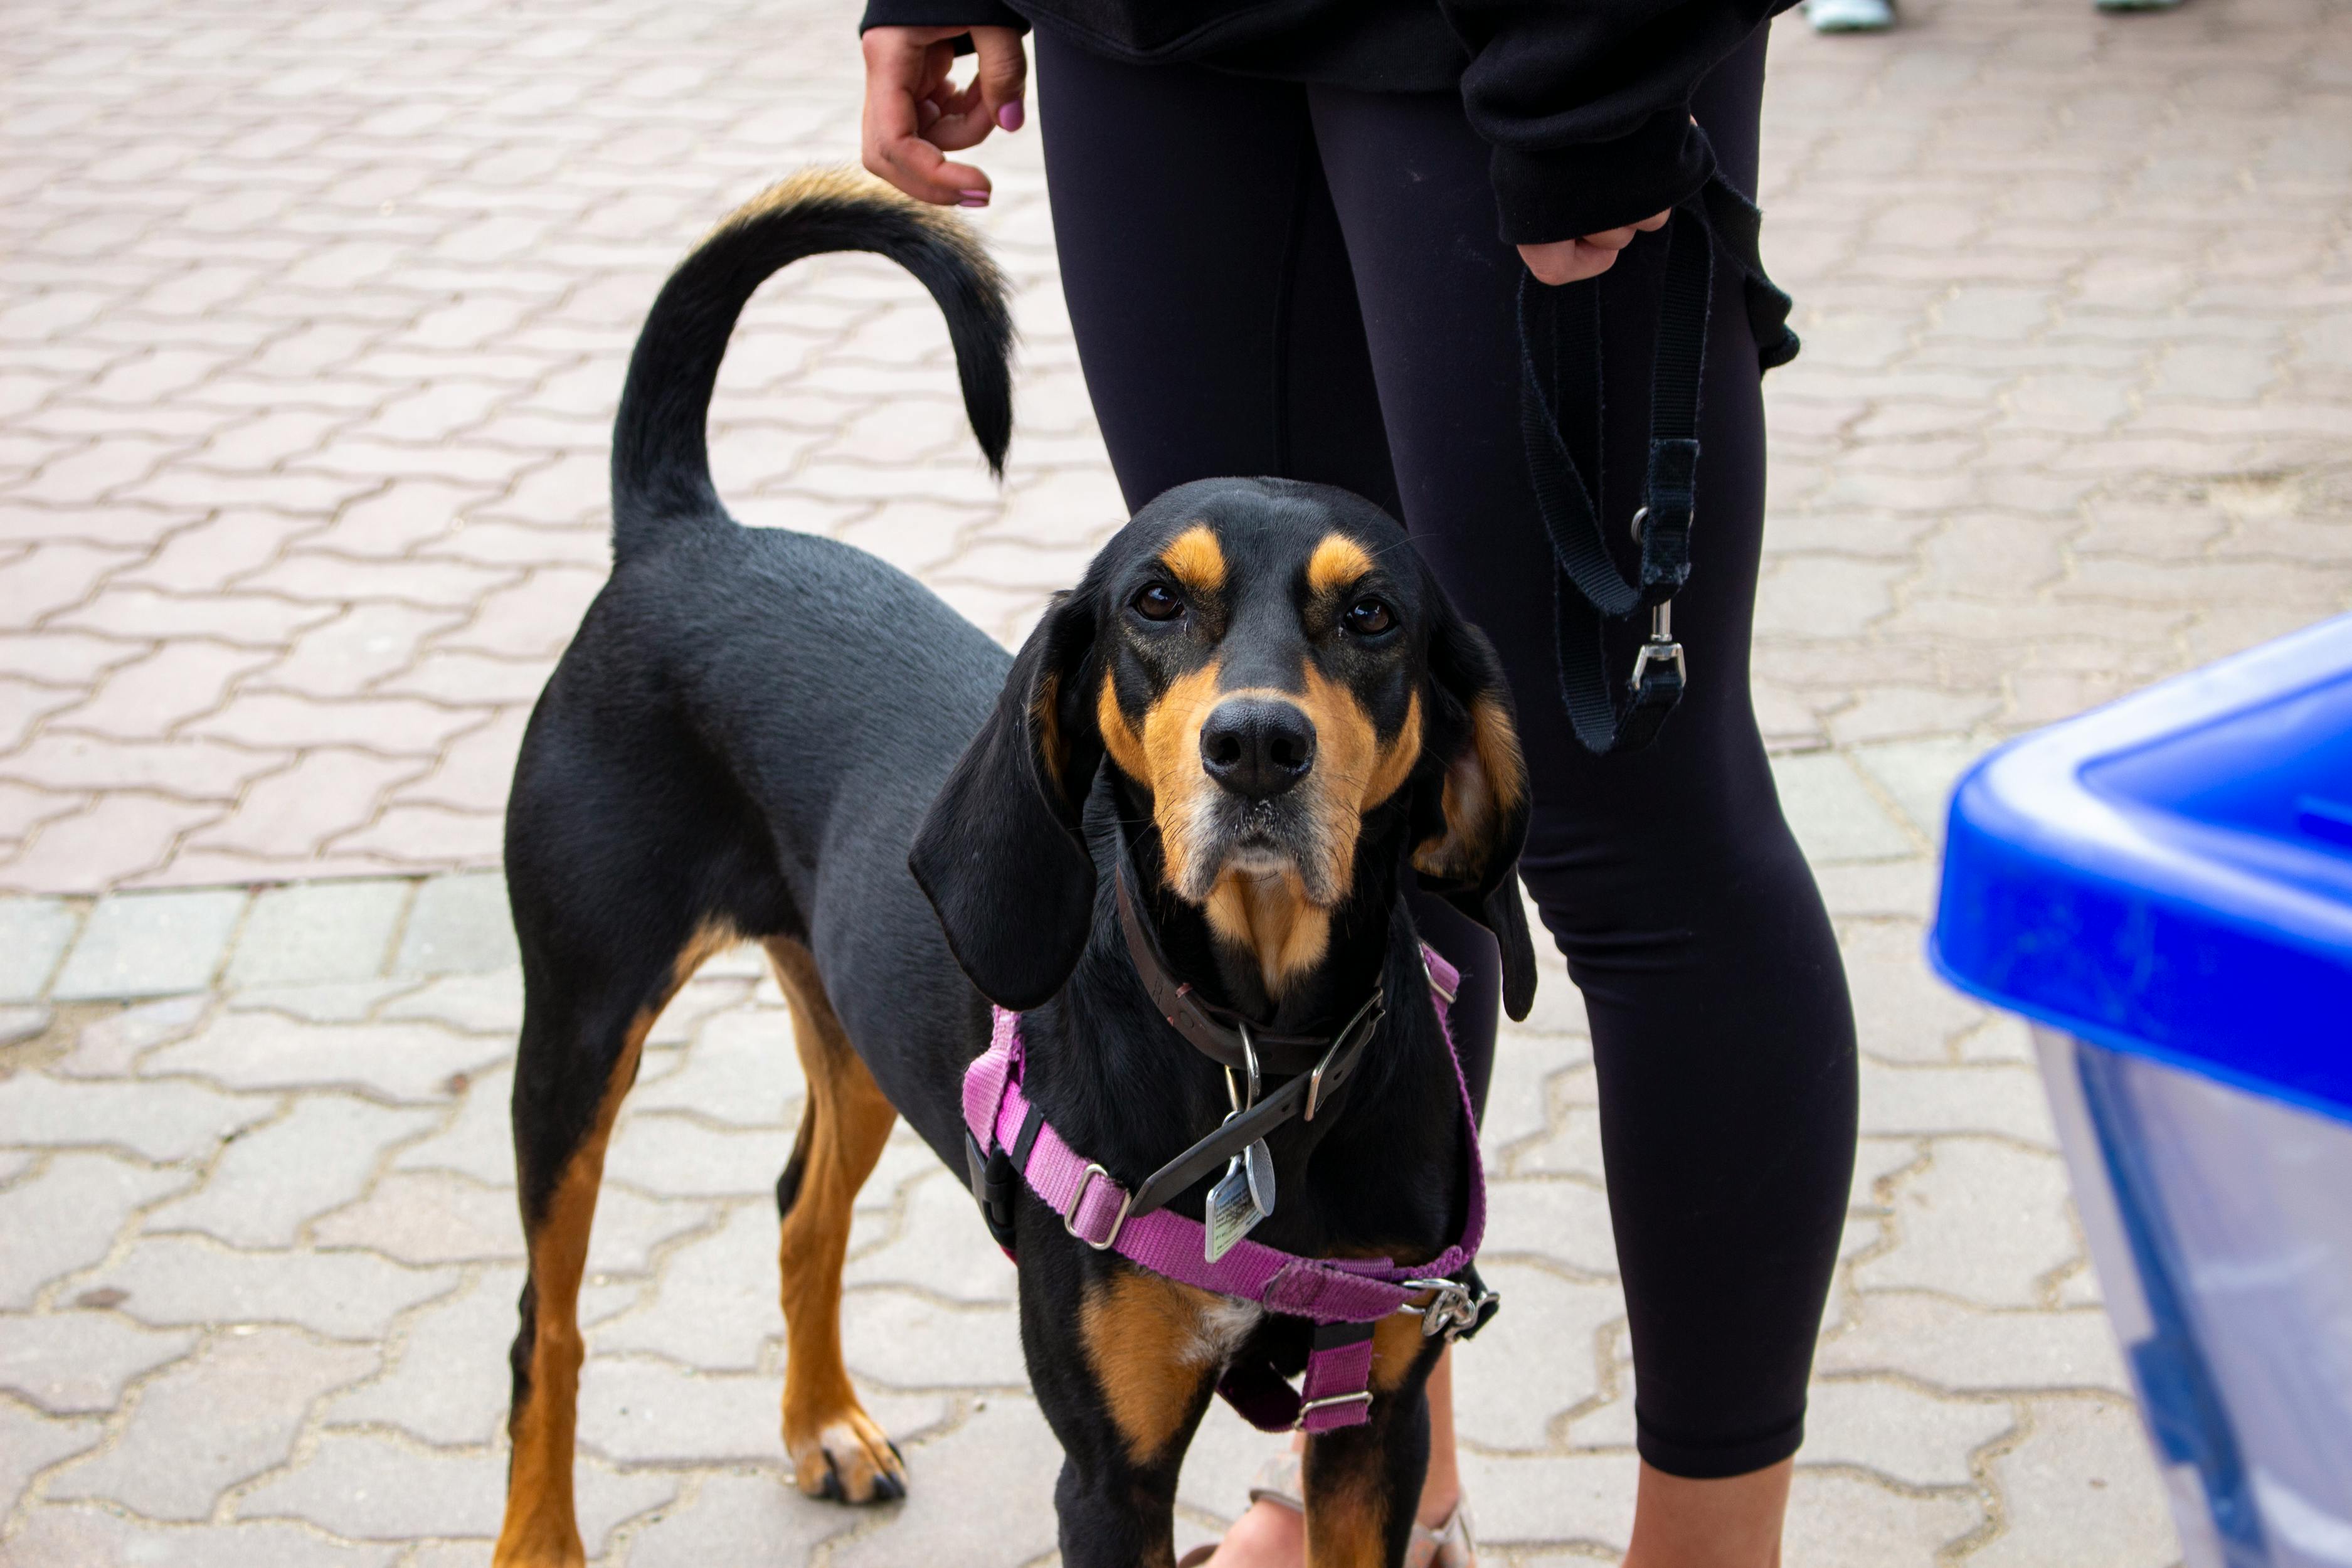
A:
<point x="1256" y="747"/>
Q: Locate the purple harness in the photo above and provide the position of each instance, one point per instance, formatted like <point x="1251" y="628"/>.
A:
<point x="1343" y="1296"/>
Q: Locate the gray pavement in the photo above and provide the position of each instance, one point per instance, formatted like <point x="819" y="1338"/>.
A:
<point x="314" y="323"/>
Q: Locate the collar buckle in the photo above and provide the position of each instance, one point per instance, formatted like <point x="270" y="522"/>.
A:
<point x="1359" y="1030"/>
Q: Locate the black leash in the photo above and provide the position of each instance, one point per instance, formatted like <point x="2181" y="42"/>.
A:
<point x="1590" y="590"/>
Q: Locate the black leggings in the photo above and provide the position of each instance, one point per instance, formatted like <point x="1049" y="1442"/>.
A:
<point x="1267" y="278"/>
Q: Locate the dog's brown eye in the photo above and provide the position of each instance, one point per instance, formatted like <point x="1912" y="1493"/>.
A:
<point x="1157" y="602"/>
<point x="1369" y="617"/>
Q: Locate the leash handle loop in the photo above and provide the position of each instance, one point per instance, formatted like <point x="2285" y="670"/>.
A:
<point x="1590" y="590"/>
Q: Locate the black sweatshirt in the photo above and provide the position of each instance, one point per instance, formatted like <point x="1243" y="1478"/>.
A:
<point x="1585" y="102"/>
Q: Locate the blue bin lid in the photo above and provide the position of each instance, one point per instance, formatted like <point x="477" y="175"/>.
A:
<point x="2171" y="875"/>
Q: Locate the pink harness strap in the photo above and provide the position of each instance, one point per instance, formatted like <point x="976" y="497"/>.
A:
<point x="1326" y="1291"/>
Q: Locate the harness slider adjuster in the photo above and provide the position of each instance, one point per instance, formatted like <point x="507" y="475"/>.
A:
<point x="1078" y="1196"/>
<point x="1330" y="1402"/>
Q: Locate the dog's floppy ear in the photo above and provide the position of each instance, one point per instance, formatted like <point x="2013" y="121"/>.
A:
<point x="1474" y="797"/>
<point x="1000" y="855"/>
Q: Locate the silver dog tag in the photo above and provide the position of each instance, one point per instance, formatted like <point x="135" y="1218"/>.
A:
<point x="1232" y="1210"/>
<point x="1259" y="1165"/>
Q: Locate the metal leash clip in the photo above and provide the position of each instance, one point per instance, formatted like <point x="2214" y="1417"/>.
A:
<point x="1456" y="1309"/>
<point x="1661" y="648"/>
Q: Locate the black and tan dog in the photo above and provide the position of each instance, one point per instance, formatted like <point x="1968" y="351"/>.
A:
<point x="1258" y="693"/>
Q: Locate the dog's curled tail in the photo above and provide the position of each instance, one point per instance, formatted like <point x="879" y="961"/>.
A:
<point x="661" y="458"/>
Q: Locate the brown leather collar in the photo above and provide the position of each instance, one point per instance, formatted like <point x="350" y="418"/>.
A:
<point x="1214" y="1031"/>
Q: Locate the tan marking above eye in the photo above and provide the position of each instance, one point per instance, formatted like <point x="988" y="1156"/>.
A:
<point x="1338" y="561"/>
<point x="1196" y="558"/>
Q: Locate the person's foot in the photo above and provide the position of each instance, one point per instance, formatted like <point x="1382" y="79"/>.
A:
<point x="1270" y="1535"/>
<point x="1855" y="15"/>
<point x="1273" y="1532"/>
<point x="2137" y="4"/>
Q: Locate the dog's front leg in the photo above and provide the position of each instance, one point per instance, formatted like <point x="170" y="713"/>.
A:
<point x="1362" y="1482"/>
<point x="1123" y="1363"/>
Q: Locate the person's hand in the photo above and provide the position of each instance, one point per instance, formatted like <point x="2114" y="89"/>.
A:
<point x="913" y="116"/>
<point x="1574" y="260"/>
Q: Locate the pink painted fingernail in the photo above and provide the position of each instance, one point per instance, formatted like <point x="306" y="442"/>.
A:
<point x="973" y="199"/>
<point x="1009" y="116"/>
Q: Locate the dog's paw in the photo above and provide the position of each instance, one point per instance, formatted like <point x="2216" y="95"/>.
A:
<point x="850" y="1460"/>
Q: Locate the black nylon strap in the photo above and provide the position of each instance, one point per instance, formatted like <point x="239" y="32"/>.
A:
<point x="1237" y="1133"/>
<point x="1590" y="590"/>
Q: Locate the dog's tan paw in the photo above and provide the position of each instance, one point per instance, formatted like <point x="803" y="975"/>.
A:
<point x="850" y="1460"/>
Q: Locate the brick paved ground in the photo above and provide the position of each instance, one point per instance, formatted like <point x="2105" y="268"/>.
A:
<point x="313" y="324"/>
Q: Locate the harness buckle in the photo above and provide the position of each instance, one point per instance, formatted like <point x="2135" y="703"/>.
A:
<point x="1460" y="1307"/>
<point x="1070" y="1209"/>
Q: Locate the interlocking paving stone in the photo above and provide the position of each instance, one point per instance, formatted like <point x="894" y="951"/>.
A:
<point x="1554" y="1323"/>
<point x="373" y="1488"/>
<point x="111" y="1047"/>
<point x="671" y="1155"/>
<point x="225" y="1414"/>
<point x="485" y="1004"/>
<point x="67" y="1217"/>
<point x="176" y="1280"/>
<point x="1899" y="1432"/>
<point x="753" y="1522"/>
<point x="412" y="1062"/>
<point x="154" y="1120"/>
<point x="458" y="925"/>
<point x="1985" y="1222"/>
<point x="1902" y="1013"/>
<point x="445" y="1382"/>
<point x="1968" y="1349"/>
<point x="1531" y="1498"/>
<point x="89" y="1534"/>
<point x="307" y="935"/>
<point x="320" y="1154"/>
<point x="2081" y="1491"/>
<point x="1833" y="814"/>
<point x="479" y="1139"/>
<point x="937" y="1249"/>
<point x="76" y="1363"/>
<point x="1007" y="1448"/>
<point x="715" y="1305"/>
<point x="33" y="937"/>
<point x="741" y="1069"/>
<point x="638" y="1411"/>
<point x="30" y="1444"/>
<point x="1562" y="1222"/>
<point x="1842" y="1521"/>
<point x="148" y="944"/>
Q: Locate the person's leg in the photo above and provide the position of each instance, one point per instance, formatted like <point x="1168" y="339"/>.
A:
<point x="1209" y="293"/>
<point x="1722" y="1033"/>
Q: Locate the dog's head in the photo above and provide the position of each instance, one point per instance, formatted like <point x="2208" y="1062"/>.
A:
<point x="1271" y="668"/>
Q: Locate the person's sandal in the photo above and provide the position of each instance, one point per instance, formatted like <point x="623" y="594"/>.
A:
<point x="1448" y="1546"/>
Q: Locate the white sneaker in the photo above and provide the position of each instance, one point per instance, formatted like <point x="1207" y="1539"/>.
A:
<point x="1860" y="16"/>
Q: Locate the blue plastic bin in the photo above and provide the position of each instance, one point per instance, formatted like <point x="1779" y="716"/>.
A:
<point x="2164" y="886"/>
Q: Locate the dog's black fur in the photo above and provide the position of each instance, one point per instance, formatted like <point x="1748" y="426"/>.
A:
<point x="753" y="731"/>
